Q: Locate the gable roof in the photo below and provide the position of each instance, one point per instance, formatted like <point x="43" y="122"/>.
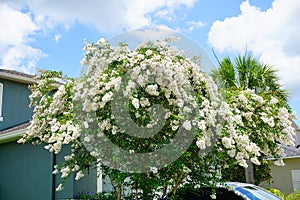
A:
<point x="16" y="76"/>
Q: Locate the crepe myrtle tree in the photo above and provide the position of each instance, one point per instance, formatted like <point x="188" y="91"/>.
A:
<point x="246" y="79"/>
<point x="110" y="116"/>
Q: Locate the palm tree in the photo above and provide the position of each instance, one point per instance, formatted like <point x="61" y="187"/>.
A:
<point x="246" y="72"/>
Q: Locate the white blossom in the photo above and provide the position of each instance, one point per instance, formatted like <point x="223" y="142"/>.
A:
<point x="279" y="162"/>
<point x="79" y="175"/>
<point x="273" y="101"/>
<point x="135" y="102"/>
<point x="187" y="125"/>
<point x="201" y="143"/>
<point x="152" y="90"/>
<point x="154" y="170"/>
<point x="60" y="187"/>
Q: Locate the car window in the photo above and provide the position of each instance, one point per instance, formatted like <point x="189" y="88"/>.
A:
<point x="205" y="194"/>
<point x="257" y="193"/>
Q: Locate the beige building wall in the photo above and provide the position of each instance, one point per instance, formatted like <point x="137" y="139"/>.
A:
<point x="282" y="176"/>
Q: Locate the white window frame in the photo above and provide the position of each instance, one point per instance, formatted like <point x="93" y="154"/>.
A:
<point x="1" y="97"/>
<point x="296" y="179"/>
<point x="99" y="178"/>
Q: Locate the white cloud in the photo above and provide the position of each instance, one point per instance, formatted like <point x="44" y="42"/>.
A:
<point x="22" y="58"/>
<point x="152" y="34"/>
<point x="15" y="51"/>
<point x="108" y="16"/>
<point x="272" y="34"/>
<point x="41" y="16"/>
<point x="57" y="37"/>
<point x="194" y="25"/>
<point x="17" y="26"/>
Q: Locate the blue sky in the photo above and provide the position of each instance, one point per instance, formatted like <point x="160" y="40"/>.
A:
<point x="50" y="34"/>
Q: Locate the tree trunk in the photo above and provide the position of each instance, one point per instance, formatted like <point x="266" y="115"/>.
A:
<point x="178" y="181"/>
<point x="249" y="172"/>
<point x="119" y="191"/>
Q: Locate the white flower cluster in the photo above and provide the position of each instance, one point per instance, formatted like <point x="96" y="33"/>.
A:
<point x="53" y="123"/>
<point x="259" y="122"/>
<point x="46" y="123"/>
<point x="161" y="71"/>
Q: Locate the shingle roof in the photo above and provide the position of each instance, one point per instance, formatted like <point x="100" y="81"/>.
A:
<point x="16" y="73"/>
<point x="16" y="76"/>
<point x="15" y="128"/>
<point x="291" y="151"/>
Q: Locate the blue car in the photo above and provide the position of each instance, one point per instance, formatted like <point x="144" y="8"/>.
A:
<point x="227" y="191"/>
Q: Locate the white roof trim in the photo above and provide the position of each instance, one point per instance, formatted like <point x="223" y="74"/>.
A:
<point x="10" y="136"/>
<point x="287" y="157"/>
<point x="16" y="77"/>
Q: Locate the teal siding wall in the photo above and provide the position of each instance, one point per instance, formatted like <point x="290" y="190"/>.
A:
<point x="88" y="184"/>
<point x="68" y="190"/>
<point x="26" y="170"/>
<point x="26" y="173"/>
<point x="15" y="104"/>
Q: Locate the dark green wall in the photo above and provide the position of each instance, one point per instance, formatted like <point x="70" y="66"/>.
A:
<point x="15" y="104"/>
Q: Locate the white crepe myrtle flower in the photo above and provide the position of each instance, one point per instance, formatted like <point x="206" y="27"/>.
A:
<point x="255" y="161"/>
<point x="242" y="98"/>
<point x="56" y="171"/>
<point x="86" y="124"/>
<point x="65" y="171"/>
<point x="227" y="142"/>
<point x="107" y="97"/>
<point x="279" y="162"/>
<point x="75" y="168"/>
<point x="131" y="151"/>
<point x="101" y="41"/>
<point x="152" y="90"/>
<point x="273" y="101"/>
<point x="79" y="175"/>
<point x="213" y="196"/>
<point x="87" y="139"/>
<point x="231" y="153"/>
<point x="187" y="125"/>
<point x="59" y="187"/>
<point x="144" y="102"/>
<point x="201" y="143"/>
<point x="68" y="157"/>
<point x="148" y="52"/>
<point x="154" y="170"/>
<point x="136" y="103"/>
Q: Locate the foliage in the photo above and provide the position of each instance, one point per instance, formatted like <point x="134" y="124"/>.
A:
<point x="291" y="196"/>
<point x="88" y="196"/>
<point x="118" y="95"/>
<point x="236" y="173"/>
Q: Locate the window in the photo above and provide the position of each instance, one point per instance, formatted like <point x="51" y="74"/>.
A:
<point x="296" y="179"/>
<point x="1" y="94"/>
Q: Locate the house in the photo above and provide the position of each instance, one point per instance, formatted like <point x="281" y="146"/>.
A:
<point x="26" y="169"/>
<point x="287" y="178"/>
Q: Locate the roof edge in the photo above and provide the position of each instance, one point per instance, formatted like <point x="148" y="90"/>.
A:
<point x="17" y="77"/>
<point x="11" y="136"/>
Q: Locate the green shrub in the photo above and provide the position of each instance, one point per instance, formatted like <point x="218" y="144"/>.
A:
<point x="291" y="196"/>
